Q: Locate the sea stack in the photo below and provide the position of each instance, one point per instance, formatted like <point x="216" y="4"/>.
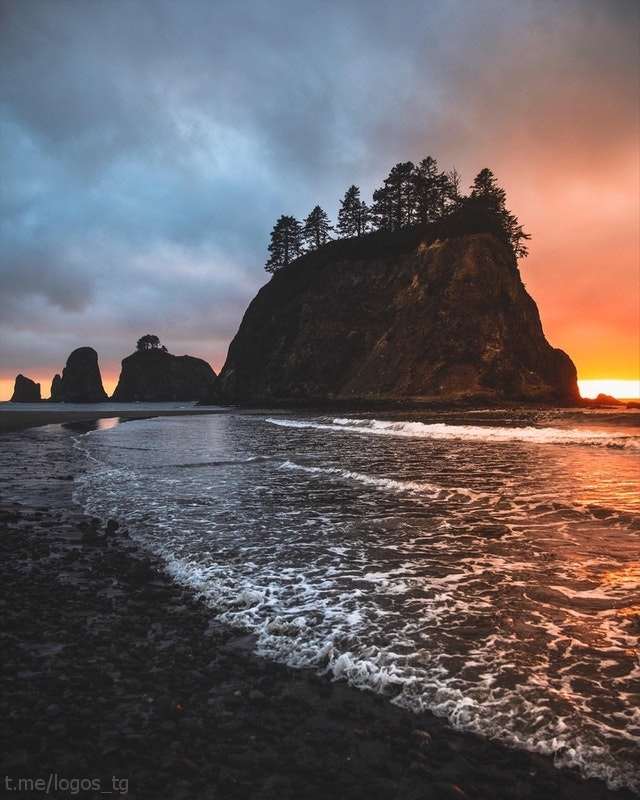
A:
<point x="25" y="390"/>
<point x="154" y="376"/>
<point x="405" y="318"/>
<point x="80" y="381"/>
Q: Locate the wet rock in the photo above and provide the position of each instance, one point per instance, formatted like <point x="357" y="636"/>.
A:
<point x="423" y="740"/>
<point x="298" y="695"/>
<point x="140" y="573"/>
<point x="18" y="762"/>
<point x="375" y="754"/>
<point x="449" y="791"/>
<point x="53" y="711"/>
<point x="240" y="761"/>
<point x="190" y="725"/>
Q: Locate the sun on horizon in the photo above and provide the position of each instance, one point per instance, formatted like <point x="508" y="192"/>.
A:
<point x="615" y="387"/>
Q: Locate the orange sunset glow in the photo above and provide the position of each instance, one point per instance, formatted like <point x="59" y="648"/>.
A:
<point x="134" y="216"/>
<point x="320" y="398"/>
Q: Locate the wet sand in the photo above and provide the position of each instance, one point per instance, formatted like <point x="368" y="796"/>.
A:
<point x="17" y="420"/>
<point x="115" y="680"/>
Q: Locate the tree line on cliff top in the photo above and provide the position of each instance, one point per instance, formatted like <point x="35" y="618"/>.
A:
<point x="410" y="195"/>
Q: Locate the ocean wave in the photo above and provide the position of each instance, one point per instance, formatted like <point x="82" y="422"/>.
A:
<point x="484" y="434"/>
<point x="329" y="634"/>
<point x="345" y="554"/>
<point x="388" y="484"/>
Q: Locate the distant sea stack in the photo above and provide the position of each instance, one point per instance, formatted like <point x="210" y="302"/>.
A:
<point x="396" y="318"/>
<point x="155" y="376"/>
<point x="25" y="391"/>
<point x="80" y="381"/>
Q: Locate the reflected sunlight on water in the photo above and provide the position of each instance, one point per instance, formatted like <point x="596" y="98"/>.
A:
<point x="485" y="566"/>
<point x="107" y="423"/>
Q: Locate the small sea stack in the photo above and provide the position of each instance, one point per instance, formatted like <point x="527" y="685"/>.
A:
<point x="153" y="375"/>
<point x="80" y="381"/>
<point x="25" y="390"/>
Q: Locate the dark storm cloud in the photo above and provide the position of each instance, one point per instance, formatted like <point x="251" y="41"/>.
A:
<point x="148" y="147"/>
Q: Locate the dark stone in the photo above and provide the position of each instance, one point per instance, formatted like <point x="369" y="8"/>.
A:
<point x="607" y="399"/>
<point x="80" y="381"/>
<point x="602" y="400"/>
<point x="25" y="391"/>
<point x="375" y="754"/>
<point x="428" y="322"/>
<point x="155" y="376"/>
<point x="449" y="791"/>
<point x="17" y="762"/>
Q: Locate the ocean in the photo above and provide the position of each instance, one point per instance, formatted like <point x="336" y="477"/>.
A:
<point x="484" y="565"/>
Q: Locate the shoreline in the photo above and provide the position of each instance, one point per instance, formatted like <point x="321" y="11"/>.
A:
<point x="115" y="673"/>
<point x="19" y="419"/>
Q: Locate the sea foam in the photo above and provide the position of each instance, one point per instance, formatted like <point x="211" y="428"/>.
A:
<point x="443" y="431"/>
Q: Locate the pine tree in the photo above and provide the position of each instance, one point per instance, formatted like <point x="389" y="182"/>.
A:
<point x="490" y="197"/>
<point x="430" y="191"/>
<point x="316" y="229"/>
<point x="286" y="243"/>
<point x="517" y="236"/>
<point x="453" y="197"/>
<point x="394" y="203"/>
<point x="485" y="189"/>
<point x="382" y="209"/>
<point x="353" y="217"/>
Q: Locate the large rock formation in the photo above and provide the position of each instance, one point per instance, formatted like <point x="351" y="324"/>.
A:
<point x="25" y="391"/>
<point x="389" y="319"/>
<point x="80" y="381"/>
<point x="156" y="376"/>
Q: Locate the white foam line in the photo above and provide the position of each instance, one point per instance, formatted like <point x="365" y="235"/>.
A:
<point x="442" y="431"/>
<point x="369" y="480"/>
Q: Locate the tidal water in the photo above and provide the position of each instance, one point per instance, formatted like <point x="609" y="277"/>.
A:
<point x="483" y="565"/>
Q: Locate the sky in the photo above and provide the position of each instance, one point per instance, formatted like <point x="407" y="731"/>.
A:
<point x="147" y="148"/>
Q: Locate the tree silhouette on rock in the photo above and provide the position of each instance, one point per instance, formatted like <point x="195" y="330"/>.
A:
<point x="353" y="217"/>
<point x="316" y="230"/>
<point x="436" y="193"/>
<point x="487" y="196"/>
<point x="286" y="243"/>
<point x="394" y="205"/>
<point x="411" y="195"/>
<point x="150" y="342"/>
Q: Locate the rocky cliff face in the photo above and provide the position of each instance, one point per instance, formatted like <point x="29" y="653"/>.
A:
<point x="156" y="376"/>
<point x="80" y="381"/>
<point x="25" y="391"/>
<point x="437" y="322"/>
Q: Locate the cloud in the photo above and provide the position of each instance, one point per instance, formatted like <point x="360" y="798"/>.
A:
<point x="147" y="149"/>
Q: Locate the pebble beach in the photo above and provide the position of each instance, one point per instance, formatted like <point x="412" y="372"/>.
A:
<point x="117" y="682"/>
